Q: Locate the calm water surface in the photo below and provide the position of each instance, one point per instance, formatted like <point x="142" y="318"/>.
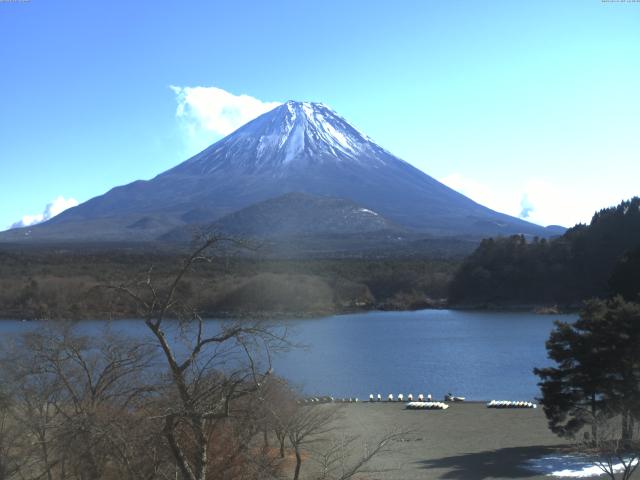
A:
<point x="480" y="355"/>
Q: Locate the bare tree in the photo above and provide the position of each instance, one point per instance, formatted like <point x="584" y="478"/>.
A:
<point x="77" y="397"/>
<point x="36" y="397"/>
<point x="279" y="404"/>
<point x="308" y="425"/>
<point x="616" y="448"/>
<point x="11" y="460"/>
<point x="315" y="428"/>
<point x="210" y="371"/>
<point x="313" y="431"/>
<point x="336" y="459"/>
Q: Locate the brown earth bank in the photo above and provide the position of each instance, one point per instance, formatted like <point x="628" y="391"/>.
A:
<point x="53" y="284"/>
<point x="466" y="441"/>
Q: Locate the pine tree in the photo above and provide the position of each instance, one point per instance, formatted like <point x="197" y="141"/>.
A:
<point x="597" y="368"/>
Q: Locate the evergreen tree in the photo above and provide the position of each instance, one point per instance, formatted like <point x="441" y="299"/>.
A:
<point x="597" y="368"/>
<point x="564" y="270"/>
<point x="625" y="279"/>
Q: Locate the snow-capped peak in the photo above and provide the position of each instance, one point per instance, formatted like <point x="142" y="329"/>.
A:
<point x="314" y="126"/>
<point x="292" y="134"/>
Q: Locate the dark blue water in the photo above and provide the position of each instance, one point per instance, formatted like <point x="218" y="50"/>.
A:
<point x="480" y="355"/>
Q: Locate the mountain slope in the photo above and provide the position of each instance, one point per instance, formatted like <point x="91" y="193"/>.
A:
<point x="293" y="214"/>
<point x="302" y="214"/>
<point x="299" y="225"/>
<point x="297" y="147"/>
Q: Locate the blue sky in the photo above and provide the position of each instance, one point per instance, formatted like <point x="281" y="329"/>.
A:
<point x="529" y="107"/>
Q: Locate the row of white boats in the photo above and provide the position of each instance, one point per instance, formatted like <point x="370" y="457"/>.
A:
<point x="372" y="398"/>
<point x="400" y="398"/>
<point x="491" y="404"/>
<point x="422" y="403"/>
<point x="427" y="406"/>
<point x="390" y="398"/>
<point x="510" y="404"/>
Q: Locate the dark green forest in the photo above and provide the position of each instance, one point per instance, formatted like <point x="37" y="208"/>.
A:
<point x="50" y="284"/>
<point x="596" y="260"/>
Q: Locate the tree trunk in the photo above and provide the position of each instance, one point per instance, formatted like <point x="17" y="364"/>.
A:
<point x="181" y="460"/>
<point x="201" y="447"/>
<point x="45" y="456"/>
<point x="282" y="440"/>
<point x="89" y="470"/>
<point x="296" y="474"/>
<point x="88" y="465"/>
<point x="594" y="423"/>
<point x="625" y="427"/>
<point x="42" y="432"/>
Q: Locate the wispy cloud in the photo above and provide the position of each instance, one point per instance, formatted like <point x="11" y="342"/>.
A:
<point x="211" y="111"/>
<point x="55" y="207"/>
<point x="535" y="200"/>
<point x="527" y="206"/>
<point x="546" y="203"/>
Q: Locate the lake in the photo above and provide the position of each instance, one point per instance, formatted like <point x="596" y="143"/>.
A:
<point x="479" y="355"/>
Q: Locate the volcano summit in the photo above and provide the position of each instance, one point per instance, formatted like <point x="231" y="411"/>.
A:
<point x="298" y="147"/>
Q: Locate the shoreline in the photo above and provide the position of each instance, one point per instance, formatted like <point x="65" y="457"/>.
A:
<point x="302" y="315"/>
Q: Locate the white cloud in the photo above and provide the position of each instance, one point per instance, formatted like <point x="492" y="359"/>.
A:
<point x="537" y="200"/>
<point x="527" y="207"/>
<point x="544" y="203"/>
<point x="204" y="111"/>
<point x="55" y="207"/>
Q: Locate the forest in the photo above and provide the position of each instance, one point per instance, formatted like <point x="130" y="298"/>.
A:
<point x="72" y="283"/>
<point x="596" y="260"/>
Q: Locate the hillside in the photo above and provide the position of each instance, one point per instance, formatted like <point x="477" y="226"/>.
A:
<point x="293" y="214"/>
<point x="587" y="261"/>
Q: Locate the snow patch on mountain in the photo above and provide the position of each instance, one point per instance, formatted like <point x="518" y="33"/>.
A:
<point x="366" y="210"/>
<point x="291" y="135"/>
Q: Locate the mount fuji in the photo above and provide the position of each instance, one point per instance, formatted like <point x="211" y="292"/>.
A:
<point x="300" y="148"/>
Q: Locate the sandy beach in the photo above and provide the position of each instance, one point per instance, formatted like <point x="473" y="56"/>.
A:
<point x="466" y="441"/>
